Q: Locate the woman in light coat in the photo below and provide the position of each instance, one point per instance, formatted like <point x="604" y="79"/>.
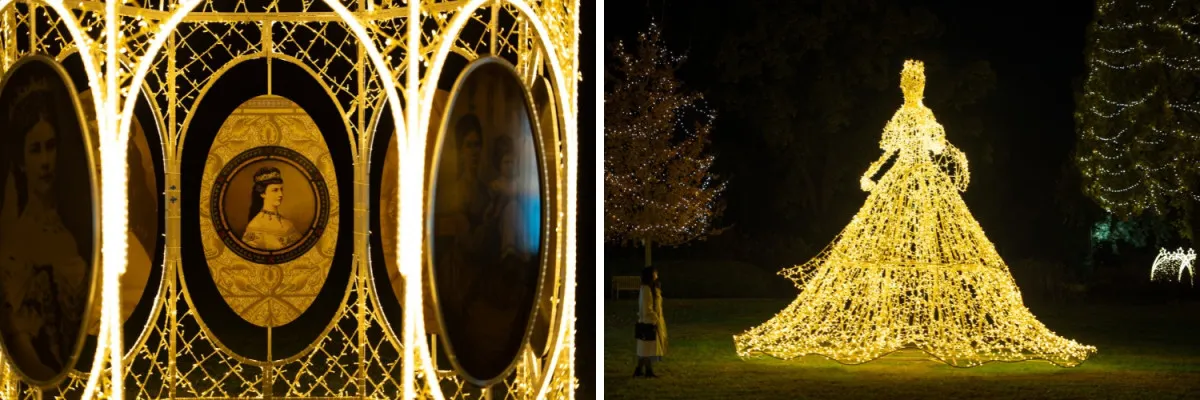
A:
<point x="651" y="330"/>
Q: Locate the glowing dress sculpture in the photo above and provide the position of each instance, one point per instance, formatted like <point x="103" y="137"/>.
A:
<point x="913" y="269"/>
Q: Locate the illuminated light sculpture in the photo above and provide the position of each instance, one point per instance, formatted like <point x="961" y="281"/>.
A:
<point x="1170" y="265"/>
<point x="372" y="58"/>
<point x="912" y="270"/>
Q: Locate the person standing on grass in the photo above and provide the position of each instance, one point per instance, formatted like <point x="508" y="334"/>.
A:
<point x="651" y="329"/>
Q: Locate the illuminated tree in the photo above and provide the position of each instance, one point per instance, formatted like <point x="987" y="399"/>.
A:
<point x="657" y="185"/>
<point x="1138" y="118"/>
<point x="913" y="269"/>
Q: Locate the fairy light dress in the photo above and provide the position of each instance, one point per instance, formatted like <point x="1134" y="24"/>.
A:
<point x="912" y="270"/>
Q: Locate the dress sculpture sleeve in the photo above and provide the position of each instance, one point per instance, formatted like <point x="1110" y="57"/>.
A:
<point x="889" y="144"/>
<point x="964" y="173"/>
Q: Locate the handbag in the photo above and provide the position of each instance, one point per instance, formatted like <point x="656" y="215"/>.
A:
<point x="644" y="331"/>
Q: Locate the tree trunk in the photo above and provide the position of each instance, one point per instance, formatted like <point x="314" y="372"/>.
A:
<point x="646" y="244"/>
<point x="1195" y="222"/>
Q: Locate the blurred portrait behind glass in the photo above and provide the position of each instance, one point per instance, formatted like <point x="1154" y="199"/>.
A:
<point x="487" y="221"/>
<point x="143" y="213"/>
<point x="47" y="232"/>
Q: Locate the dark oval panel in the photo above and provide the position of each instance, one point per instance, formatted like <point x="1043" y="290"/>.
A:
<point x="487" y="221"/>
<point x="49" y="234"/>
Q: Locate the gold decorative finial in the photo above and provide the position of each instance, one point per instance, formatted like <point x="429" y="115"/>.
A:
<point x="912" y="81"/>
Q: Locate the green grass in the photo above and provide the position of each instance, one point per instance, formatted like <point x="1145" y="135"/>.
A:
<point x="1145" y="352"/>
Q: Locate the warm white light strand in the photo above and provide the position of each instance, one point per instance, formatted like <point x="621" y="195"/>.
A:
<point x="1170" y="265"/>
<point x="913" y="269"/>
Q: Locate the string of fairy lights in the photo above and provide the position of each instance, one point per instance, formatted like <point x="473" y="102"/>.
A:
<point x="1135" y="122"/>
<point x="1171" y="265"/>
<point x="912" y="270"/>
<point x="656" y="181"/>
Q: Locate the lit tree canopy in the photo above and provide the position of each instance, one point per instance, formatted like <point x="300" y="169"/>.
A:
<point x="657" y="185"/>
<point x="1138" y="118"/>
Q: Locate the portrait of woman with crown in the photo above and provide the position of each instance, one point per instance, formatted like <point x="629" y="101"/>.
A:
<point x="269" y="211"/>
<point x="258" y="216"/>
<point x="47" y="229"/>
<point x="268" y="229"/>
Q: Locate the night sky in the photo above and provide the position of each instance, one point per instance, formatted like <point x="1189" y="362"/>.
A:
<point x="1036" y="53"/>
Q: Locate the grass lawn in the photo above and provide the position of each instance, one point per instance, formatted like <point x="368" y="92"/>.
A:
<point x="1144" y="352"/>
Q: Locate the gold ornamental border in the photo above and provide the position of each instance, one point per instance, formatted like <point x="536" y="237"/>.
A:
<point x="395" y="53"/>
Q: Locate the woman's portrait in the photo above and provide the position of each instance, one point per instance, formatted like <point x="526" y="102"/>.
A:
<point x="268" y="229"/>
<point x="488" y="217"/>
<point x="47" y="237"/>
<point x="269" y="211"/>
<point x="269" y="204"/>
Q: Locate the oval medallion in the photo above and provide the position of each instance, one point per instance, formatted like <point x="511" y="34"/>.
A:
<point x="268" y="200"/>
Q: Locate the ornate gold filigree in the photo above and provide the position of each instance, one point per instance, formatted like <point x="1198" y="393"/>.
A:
<point x="269" y="294"/>
<point x="175" y="49"/>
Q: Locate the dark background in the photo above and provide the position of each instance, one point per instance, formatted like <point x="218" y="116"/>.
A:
<point x="1018" y="136"/>
<point x="585" y="256"/>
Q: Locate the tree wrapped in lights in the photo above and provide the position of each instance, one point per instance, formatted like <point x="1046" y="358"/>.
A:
<point x="657" y="185"/>
<point x="913" y="269"/>
<point x="1138" y="118"/>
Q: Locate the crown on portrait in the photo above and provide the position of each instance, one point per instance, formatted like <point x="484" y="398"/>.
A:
<point x="34" y="86"/>
<point x="267" y="177"/>
<point x="912" y="80"/>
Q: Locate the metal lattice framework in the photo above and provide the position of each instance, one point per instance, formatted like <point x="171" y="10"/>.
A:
<point x="372" y="58"/>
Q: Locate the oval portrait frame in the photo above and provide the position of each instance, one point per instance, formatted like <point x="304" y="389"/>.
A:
<point x="312" y="233"/>
<point x="94" y="258"/>
<point x="542" y="341"/>
<point x="544" y="259"/>
<point x="230" y="331"/>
